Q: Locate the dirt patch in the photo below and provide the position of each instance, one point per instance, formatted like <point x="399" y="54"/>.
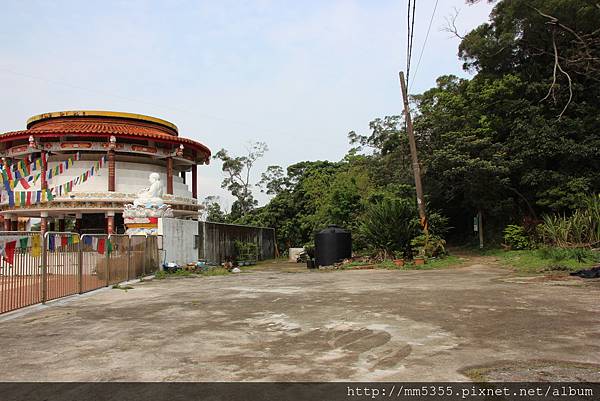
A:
<point x="535" y="371"/>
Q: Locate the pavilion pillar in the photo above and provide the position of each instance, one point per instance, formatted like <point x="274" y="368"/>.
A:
<point x="44" y="182"/>
<point x="7" y="224"/>
<point x="195" y="181"/>
<point x="44" y="222"/>
<point x="170" y="175"/>
<point x="110" y="223"/>
<point x="78" y="217"/>
<point x="111" y="170"/>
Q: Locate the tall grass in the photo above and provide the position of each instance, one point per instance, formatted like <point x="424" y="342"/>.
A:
<point x="579" y="230"/>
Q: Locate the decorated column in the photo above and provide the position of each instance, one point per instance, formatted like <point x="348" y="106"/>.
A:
<point x="170" y="175"/>
<point x="78" y="217"/>
<point x="44" y="222"/>
<point x="195" y="181"/>
<point x="7" y="225"/>
<point x="111" y="164"/>
<point x="110" y="222"/>
<point x="44" y="186"/>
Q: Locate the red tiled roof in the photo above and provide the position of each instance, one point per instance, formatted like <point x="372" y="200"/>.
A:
<point x="106" y="128"/>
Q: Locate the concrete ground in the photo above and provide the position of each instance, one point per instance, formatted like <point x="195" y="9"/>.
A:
<point x="281" y="322"/>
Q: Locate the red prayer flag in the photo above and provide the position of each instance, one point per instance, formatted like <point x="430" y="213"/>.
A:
<point x="28" y="200"/>
<point x="24" y="183"/>
<point x="101" y="243"/>
<point x="9" y="251"/>
<point x="64" y="240"/>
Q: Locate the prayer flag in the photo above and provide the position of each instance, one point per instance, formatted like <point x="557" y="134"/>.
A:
<point x="51" y="245"/>
<point x="36" y="249"/>
<point x="109" y="246"/>
<point x="24" y="242"/>
<point x="24" y="183"/>
<point x="9" y="251"/>
<point x="64" y="241"/>
<point x="101" y="243"/>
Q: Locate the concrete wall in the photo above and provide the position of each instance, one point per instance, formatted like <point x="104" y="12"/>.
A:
<point x="179" y="239"/>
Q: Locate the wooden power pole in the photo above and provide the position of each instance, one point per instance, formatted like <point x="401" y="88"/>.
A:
<point x="413" y="153"/>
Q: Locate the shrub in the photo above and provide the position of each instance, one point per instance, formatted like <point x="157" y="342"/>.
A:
<point x="389" y="225"/>
<point x="579" y="230"/>
<point x="429" y="245"/>
<point x="516" y="237"/>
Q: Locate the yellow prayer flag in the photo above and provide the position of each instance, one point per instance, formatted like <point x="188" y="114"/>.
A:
<point x="36" y="249"/>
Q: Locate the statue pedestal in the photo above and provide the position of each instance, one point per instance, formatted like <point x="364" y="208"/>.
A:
<point x="141" y="220"/>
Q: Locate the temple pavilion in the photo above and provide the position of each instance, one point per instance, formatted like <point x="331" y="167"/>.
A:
<point x="86" y="165"/>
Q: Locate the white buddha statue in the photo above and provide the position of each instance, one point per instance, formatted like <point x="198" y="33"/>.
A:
<point x="151" y="196"/>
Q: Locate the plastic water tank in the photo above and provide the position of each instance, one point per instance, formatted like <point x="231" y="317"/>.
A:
<point x="332" y="245"/>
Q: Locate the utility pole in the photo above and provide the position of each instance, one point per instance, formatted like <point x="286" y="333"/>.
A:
<point x="413" y="153"/>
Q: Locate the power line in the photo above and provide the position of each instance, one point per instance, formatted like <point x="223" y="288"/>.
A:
<point x="425" y="41"/>
<point x="411" y="31"/>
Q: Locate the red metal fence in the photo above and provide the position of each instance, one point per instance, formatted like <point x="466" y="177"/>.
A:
<point x="36" y="269"/>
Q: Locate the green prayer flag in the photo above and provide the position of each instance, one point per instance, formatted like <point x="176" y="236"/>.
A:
<point x="23" y="242"/>
<point x="109" y="246"/>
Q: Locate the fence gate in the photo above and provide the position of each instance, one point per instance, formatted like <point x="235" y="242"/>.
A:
<point x="20" y="269"/>
<point x="36" y="268"/>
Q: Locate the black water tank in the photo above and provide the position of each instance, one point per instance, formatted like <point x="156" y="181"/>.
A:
<point x="332" y="245"/>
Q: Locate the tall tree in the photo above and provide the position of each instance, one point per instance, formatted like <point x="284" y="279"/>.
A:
<point x="238" y="179"/>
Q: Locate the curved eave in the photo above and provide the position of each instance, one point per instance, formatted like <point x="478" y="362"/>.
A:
<point x="100" y="113"/>
<point x="175" y="140"/>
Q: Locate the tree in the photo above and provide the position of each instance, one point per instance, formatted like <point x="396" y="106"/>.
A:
<point x="237" y="180"/>
<point x="211" y="210"/>
<point x="273" y="181"/>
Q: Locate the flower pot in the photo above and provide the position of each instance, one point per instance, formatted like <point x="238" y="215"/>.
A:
<point x="399" y="262"/>
<point x="419" y="261"/>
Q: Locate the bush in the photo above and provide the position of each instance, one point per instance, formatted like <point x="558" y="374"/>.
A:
<point x="516" y="237"/>
<point x="579" y="230"/>
<point x="431" y="246"/>
<point x="389" y="225"/>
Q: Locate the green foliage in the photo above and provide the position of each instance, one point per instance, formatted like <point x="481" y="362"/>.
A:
<point x="516" y="237"/>
<point x="237" y="179"/>
<point x="246" y="251"/>
<point x="579" y="230"/>
<point x="493" y="143"/>
<point x="428" y="245"/>
<point x="389" y="226"/>
<point x="536" y="261"/>
<point x="580" y="255"/>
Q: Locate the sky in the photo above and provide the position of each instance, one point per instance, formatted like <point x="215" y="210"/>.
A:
<point x="296" y="75"/>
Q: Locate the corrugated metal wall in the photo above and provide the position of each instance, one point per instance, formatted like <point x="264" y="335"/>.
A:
<point x="217" y="241"/>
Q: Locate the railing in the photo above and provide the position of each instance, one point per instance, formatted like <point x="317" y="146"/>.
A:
<point x="35" y="268"/>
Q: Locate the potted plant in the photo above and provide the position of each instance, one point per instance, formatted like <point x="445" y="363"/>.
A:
<point x="419" y="260"/>
<point x="398" y="259"/>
